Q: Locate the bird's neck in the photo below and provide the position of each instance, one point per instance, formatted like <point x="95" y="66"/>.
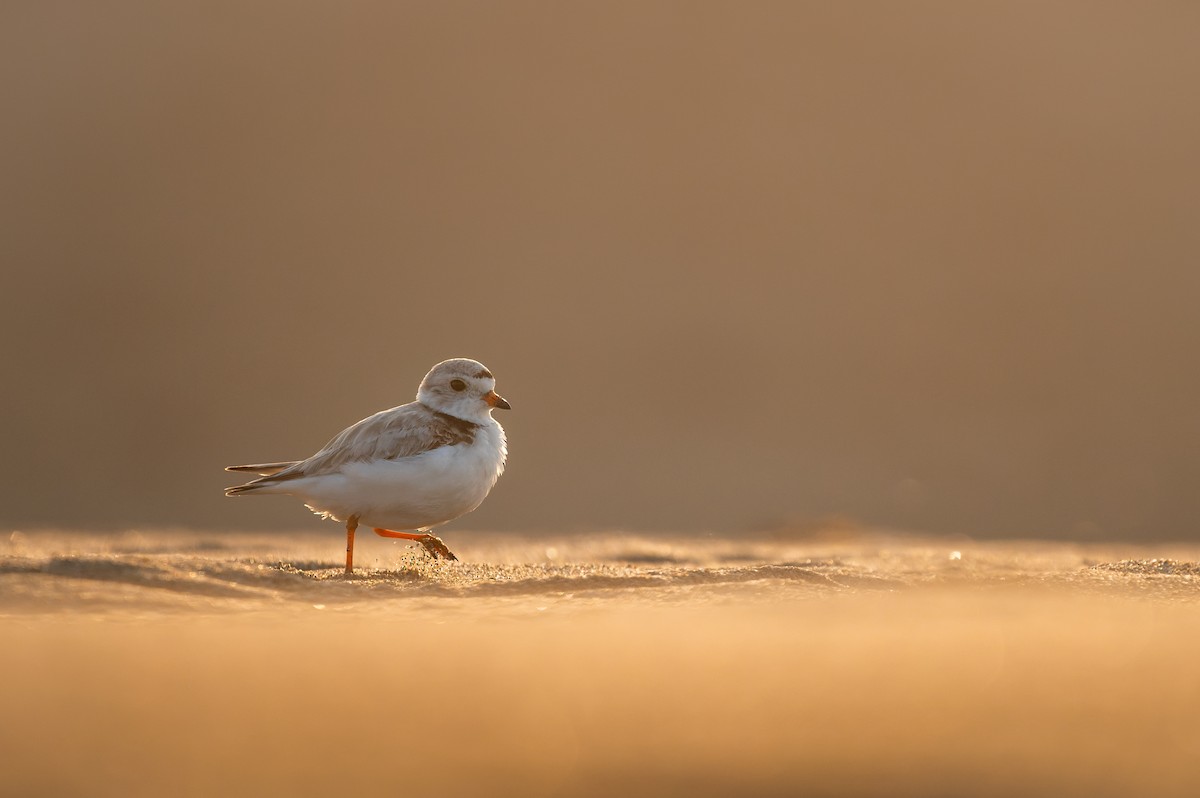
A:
<point x="466" y="425"/>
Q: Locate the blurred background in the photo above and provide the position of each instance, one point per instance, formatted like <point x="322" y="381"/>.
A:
<point x="930" y="265"/>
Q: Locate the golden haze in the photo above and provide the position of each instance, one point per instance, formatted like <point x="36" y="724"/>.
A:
<point x="929" y="265"/>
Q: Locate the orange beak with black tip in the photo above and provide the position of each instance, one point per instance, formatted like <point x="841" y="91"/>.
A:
<point x="496" y="400"/>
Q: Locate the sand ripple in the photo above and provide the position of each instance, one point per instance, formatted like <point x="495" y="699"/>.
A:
<point x="53" y="572"/>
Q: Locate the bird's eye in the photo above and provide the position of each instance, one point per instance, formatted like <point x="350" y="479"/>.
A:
<point x="458" y="385"/>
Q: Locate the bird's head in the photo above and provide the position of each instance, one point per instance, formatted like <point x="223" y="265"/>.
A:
<point x="462" y="388"/>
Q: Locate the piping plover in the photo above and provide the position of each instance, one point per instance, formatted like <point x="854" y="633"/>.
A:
<point x="412" y="467"/>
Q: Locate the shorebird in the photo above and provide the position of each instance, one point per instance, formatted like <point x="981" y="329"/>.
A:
<point x="413" y="467"/>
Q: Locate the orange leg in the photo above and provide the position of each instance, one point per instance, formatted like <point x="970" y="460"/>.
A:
<point x="351" y="525"/>
<point x="387" y="533"/>
<point x="432" y="544"/>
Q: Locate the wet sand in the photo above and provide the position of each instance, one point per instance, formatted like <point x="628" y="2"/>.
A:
<point x="178" y="663"/>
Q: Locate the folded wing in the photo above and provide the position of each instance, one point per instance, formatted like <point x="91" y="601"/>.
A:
<point x="405" y="431"/>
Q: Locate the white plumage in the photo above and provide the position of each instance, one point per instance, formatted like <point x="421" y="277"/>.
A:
<point x="416" y="492"/>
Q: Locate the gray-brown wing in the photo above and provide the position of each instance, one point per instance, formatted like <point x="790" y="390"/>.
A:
<point x="404" y="431"/>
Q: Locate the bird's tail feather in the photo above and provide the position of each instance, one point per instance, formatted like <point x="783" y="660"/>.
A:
<point x="262" y="469"/>
<point x="275" y="474"/>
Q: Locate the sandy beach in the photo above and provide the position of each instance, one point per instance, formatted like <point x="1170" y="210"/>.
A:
<point x="156" y="663"/>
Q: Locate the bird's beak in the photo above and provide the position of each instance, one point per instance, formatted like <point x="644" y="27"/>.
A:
<point x="496" y="400"/>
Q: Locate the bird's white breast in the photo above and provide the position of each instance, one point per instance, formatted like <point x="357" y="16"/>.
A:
<point x="416" y="492"/>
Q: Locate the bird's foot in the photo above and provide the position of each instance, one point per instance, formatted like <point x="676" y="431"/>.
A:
<point x="436" y="547"/>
